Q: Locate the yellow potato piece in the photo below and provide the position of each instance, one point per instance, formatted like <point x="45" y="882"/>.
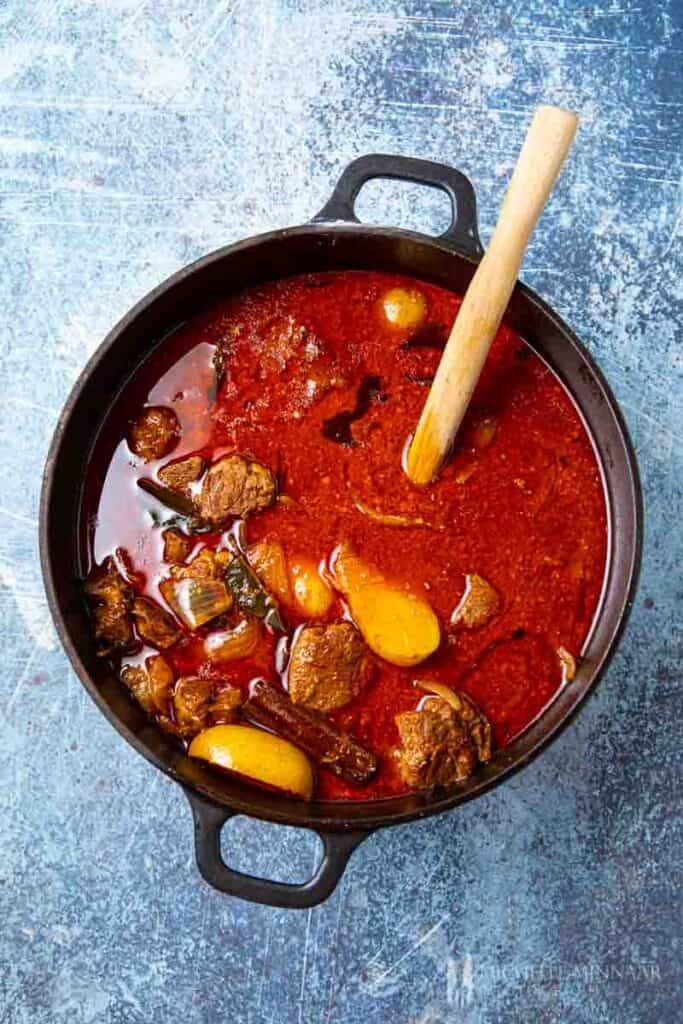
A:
<point x="397" y="625"/>
<point x="404" y="307"/>
<point x="257" y="755"/>
<point x="312" y="594"/>
<point x="295" y="581"/>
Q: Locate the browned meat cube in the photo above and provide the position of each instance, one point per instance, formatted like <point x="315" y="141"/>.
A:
<point x="154" y="625"/>
<point x="155" y="433"/>
<point x="137" y="681"/>
<point x="177" y="545"/>
<point x="441" y="745"/>
<point x="206" y="565"/>
<point x="110" y="598"/>
<point x="329" y="666"/>
<point x="191" y="704"/>
<point x="160" y="681"/>
<point x="178" y="475"/>
<point x="478" y="605"/>
<point x="225" y="705"/>
<point x="151" y="685"/>
<point x="233" y="487"/>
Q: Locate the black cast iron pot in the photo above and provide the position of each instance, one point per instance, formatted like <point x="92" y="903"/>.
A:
<point x="333" y="240"/>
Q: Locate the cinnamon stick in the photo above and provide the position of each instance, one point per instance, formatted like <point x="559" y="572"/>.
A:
<point x="312" y="732"/>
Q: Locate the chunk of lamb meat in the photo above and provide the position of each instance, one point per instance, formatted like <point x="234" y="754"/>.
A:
<point x="329" y="666"/>
<point x="137" y="681"/>
<point x="110" y="598"/>
<point x="191" y="702"/>
<point x="206" y="565"/>
<point x="196" y="592"/>
<point x="177" y="546"/>
<point x="155" y="433"/>
<point x="235" y="487"/>
<point x="441" y="745"/>
<point x="195" y="706"/>
<point x="151" y="685"/>
<point x="178" y="475"/>
<point x="225" y="705"/>
<point x="477" y="606"/>
<point x="154" y="625"/>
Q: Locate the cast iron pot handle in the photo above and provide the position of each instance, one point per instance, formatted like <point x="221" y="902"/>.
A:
<point x="462" y="232"/>
<point x="209" y="820"/>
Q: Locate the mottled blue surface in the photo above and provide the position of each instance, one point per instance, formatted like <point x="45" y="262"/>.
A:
<point x="135" y="136"/>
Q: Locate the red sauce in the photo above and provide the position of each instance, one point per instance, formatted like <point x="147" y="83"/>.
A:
<point x="526" y="511"/>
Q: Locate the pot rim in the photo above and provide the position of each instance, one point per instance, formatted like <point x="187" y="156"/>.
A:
<point x="380" y="814"/>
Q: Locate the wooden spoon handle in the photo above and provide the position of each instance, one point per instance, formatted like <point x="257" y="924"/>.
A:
<point x="543" y="153"/>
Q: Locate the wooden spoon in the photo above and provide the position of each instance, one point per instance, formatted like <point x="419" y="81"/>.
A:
<point x="543" y="153"/>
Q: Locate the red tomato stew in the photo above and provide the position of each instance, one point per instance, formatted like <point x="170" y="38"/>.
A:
<point x="282" y="600"/>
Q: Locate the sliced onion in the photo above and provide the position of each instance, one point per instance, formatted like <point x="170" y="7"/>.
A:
<point x="196" y="601"/>
<point x="441" y="690"/>
<point x="389" y="518"/>
<point x="568" y="663"/>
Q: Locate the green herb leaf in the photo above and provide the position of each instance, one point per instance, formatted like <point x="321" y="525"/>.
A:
<point x="249" y="593"/>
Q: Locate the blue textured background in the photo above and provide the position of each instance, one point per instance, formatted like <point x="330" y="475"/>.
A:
<point x="135" y="136"/>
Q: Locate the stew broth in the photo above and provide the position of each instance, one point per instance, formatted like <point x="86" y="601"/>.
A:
<point x="310" y="378"/>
